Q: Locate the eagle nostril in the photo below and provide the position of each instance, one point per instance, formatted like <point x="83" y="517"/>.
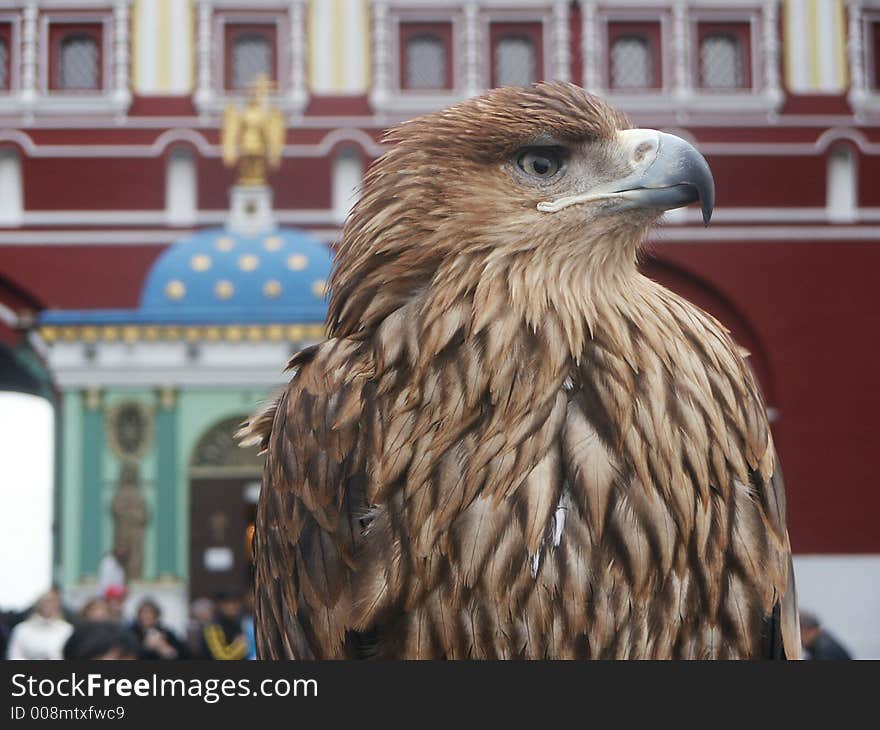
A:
<point x="643" y="150"/>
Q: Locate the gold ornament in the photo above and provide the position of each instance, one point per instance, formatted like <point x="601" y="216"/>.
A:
<point x="248" y="262"/>
<point x="253" y="137"/>
<point x="224" y="289"/>
<point x="175" y="289"/>
<point x="200" y="262"/>
<point x="297" y="262"/>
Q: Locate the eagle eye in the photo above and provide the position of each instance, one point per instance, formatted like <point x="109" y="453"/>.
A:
<point x="540" y="162"/>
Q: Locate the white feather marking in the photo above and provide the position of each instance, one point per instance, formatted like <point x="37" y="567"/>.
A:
<point x="559" y="517"/>
<point x="558" y="524"/>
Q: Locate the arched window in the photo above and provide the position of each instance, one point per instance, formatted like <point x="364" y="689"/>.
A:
<point x="425" y="62"/>
<point x="11" y="194"/>
<point x="181" y="188"/>
<point x="721" y="61"/>
<point x="251" y="57"/>
<point x="841" y="191"/>
<point x="631" y="66"/>
<point x="79" y="68"/>
<point x="348" y="171"/>
<point x="515" y="61"/>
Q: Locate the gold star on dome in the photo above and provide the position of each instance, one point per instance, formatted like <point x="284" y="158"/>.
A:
<point x="224" y="289"/>
<point x="297" y="262"/>
<point x="248" y="262"/>
<point x="175" y="289"/>
<point x="272" y="243"/>
<point x="224" y="243"/>
<point x="200" y="262"/>
<point x="319" y="288"/>
<point x="272" y="289"/>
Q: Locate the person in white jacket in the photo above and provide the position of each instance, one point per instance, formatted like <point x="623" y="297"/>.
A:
<point x="43" y="633"/>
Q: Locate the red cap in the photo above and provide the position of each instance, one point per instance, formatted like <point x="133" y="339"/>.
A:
<point x="114" y="593"/>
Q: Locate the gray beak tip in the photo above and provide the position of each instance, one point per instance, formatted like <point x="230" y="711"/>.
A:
<point x="707" y="207"/>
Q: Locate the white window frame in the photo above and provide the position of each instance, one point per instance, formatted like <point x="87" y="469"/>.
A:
<point x="489" y="15"/>
<point x="753" y="84"/>
<point x="282" y="55"/>
<point x="864" y="96"/>
<point x="106" y="22"/>
<point x="401" y="99"/>
<point x="212" y="16"/>
<point x="471" y="55"/>
<point x="30" y="94"/>
<point x="680" y="55"/>
<point x="642" y="99"/>
<point x="14" y="50"/>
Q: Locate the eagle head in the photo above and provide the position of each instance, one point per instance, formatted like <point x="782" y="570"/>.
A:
<point x="541" y="175"/>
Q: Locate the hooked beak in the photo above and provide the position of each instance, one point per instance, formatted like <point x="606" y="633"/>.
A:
<point x="667" y="173"/>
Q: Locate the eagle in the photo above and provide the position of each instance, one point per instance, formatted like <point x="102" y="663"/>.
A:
<point x="511" y="443"/>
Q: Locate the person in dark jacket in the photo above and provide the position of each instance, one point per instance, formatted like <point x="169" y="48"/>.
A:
<point x="224" y="637"/>
<point x="155" y="640"/>
<point x="817" y="642"/>
<point x="100" y="640"/>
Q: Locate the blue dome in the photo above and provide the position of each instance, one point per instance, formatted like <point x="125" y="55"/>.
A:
<point x="218" y="276"/>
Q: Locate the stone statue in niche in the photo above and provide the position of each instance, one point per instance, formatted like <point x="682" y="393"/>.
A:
<point x="130" y="517"/>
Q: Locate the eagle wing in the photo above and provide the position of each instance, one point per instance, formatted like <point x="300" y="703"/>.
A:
<point x="363" y="465"/>
<point x="310" y="508"/>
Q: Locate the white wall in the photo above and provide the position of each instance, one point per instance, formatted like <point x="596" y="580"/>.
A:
<point x="26" y="473"/>
<point x="844" y="592"/>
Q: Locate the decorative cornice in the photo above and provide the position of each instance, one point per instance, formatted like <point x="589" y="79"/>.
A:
<point x="186" y="333"/>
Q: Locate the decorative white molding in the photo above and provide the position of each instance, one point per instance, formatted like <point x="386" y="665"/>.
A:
<point x="169" y="364"/>
<point x="381" y="91"/>
<point x="190" y="136"/>
<point x="471" y="33"/>
<point x="298" y="93"/>
<point x="740" y="231"/>
<point x="121" y="81"/>
<point x="681" y="57"/>
<point x="561" y="42"/>
<point x="28" y="94"/>
<point x="204" y="95"/>
<point x="592" y="80"/>
<point x="770" y="39"/>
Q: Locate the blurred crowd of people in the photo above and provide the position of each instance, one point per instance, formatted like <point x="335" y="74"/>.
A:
<point x="220" y="628"/>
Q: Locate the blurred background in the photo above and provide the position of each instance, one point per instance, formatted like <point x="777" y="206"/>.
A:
<point x="161" y="257"/>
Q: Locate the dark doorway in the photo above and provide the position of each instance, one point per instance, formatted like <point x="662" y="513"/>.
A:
<point x="223" y="491"/>
<point x="221" y="512"/>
